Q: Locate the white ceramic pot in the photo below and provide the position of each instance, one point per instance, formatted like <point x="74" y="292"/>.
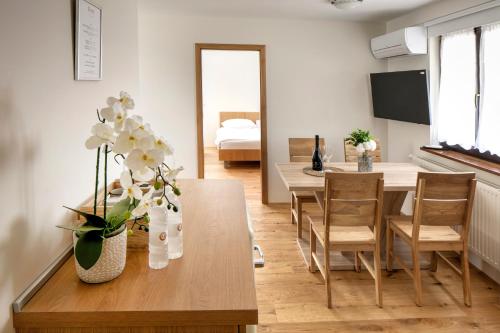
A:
<point x="110" y="264"/>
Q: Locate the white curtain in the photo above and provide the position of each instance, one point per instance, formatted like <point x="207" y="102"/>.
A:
<point x="489" y="114"/>
<point x="456" y="111"/>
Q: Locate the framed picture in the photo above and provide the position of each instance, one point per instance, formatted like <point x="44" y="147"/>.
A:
<point x="88" y="41"/>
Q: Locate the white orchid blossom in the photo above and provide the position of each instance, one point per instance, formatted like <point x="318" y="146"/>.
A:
<point x="101" y="134"/>
<point x="128" y="141"/>
<point x="126" y="101"/>
<point x="171" y="174"/>
<point x="138" y="159"/>
<point x="130" y="190"/>
<point x="145" y="205"/>
<point x="143" y="175"/>
<point x="135" y="123"/>
<point x="115" y="114"/>
<point x="161" y="144"/>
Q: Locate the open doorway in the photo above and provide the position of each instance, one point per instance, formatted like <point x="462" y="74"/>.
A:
<point x="231" y="114"/>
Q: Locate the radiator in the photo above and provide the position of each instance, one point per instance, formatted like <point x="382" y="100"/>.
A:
<point x="484" y="237"/>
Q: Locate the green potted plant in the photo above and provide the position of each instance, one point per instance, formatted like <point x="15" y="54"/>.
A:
<point x="363" y="142"/>
<point x="100" y="243"/>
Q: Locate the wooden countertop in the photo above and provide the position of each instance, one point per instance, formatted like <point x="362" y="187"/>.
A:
<point x="212" y="283"/>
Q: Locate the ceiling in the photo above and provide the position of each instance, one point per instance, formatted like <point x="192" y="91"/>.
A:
<point x="370" y="10"/>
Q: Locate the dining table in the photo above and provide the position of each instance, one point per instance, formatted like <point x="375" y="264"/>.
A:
<point x="399" y="180"/>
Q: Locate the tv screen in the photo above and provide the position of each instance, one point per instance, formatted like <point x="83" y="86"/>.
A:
<point x="401" y="96"/>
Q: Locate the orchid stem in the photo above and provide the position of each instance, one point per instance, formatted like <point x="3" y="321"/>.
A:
<point x="96" y="179"/>
<point x="105" y="178"/>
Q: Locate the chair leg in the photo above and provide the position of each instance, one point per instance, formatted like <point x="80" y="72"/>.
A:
<point x="417" y="278"/>
<point x="466" y="277"/>
<point x="327" y="277"/>
<point x="357" y="264"/>
<point x="434" y="261"/>
<point x="312" y="244"/>
<point x="299" y="217"/>
<point x="378" y="275"/>
<point x="389" y="247"/>
<point x="292" y="208"/>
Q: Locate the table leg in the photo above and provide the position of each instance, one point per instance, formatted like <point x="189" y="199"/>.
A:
<point x="393" y="202"/>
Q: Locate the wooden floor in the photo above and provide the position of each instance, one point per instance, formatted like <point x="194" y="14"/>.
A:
<point x="293" y="300"/>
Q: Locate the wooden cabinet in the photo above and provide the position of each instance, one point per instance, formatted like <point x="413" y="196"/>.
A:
<point x="210" y="289"/>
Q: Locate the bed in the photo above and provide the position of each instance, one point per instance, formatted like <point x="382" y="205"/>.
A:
<point x="238" y="144"/>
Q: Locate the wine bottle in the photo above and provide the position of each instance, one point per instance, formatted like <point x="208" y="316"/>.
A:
<point x="317" y="163"/>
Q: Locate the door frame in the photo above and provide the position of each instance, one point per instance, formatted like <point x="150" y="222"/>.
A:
<point x="263" y="107"/>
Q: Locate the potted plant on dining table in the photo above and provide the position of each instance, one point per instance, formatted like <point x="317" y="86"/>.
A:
<point x="364" y="143"/>
<point x="100" y="243"/>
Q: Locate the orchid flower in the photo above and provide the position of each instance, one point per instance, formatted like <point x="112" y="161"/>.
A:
<point x="134" y="123"/>
<point x="161" y="144"/>
<point x="101" y="134"/>
<point x="143" y="175"/>
<point x="144" y="205"/>
<point x="125" y="100"/>
<point x="138" y="159"/>
<point x="115" y="114"/>
<point x="127" y="141"/>
<point x="130" y="190"/>
<point x="171" y="174"/>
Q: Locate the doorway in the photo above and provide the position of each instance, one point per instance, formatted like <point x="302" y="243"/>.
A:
<point x="231" y="113"/>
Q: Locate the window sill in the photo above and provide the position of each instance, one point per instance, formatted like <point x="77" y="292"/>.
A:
<point x="472" y="161"/>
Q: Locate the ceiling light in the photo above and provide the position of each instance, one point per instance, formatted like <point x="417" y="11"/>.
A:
<point x="346" y="4"/>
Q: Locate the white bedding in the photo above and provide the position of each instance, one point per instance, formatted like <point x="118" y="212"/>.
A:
<point x="238" y="138"/>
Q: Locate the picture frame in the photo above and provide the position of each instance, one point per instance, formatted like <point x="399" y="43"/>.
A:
<point x="88" y="41"/>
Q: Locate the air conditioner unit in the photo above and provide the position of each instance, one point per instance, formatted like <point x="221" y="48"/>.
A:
<point x="407" y="41"/>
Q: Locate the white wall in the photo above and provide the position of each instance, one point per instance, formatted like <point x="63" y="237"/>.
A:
<point x="406" y="138"/>
<point x="231" y="82"/>
<point x="317" y="78"/>
<point x="45" y="118"/>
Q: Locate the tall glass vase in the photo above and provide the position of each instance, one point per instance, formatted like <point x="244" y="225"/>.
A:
<point x="365" y="163"/>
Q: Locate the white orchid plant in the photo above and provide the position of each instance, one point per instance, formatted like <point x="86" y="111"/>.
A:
<point x="362" y="140"/>
<point x="143" y="154"/>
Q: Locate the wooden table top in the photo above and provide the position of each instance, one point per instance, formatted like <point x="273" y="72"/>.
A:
<point x="397" y="176"/>
<point x="212" y="283"/>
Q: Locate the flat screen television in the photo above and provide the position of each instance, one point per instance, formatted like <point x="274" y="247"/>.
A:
<point x="401" y="96"/>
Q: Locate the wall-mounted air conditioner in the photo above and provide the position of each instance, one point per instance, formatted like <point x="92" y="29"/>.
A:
<point x="407" y="41"/>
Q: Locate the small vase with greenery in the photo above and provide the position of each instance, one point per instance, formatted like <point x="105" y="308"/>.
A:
<point x="142" y="153"/>
<point x="364" y="143"/>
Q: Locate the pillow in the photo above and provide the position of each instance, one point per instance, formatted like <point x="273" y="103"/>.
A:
<point x="258" y="122"/>
<point x="238" y="123"/>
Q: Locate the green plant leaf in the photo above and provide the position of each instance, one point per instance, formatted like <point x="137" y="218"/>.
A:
<point x="92" y="220"/>
<point x="83" y="228"/>
<point x="88" y="248"/>
<point x="118" y="210"/>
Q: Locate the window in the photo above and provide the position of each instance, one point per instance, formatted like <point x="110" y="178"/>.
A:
<point x="468" y="108"/>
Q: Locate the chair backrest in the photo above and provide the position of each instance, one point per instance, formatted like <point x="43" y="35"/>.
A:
<point x="301" y="149"/>
<point x="353" y="199"/>
<point x="444" y="199"/>
<point x="351" y="155"/>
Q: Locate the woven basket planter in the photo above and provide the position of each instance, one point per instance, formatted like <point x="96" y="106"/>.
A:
<point x="112" y="261"/>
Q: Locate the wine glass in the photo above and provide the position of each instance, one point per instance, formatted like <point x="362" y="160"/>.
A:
<point x="326" y="154"/>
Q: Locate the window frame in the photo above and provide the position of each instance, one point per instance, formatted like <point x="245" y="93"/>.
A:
<point x="474" y="151"/>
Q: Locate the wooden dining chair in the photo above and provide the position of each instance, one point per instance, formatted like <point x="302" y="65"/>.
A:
<point x="351" y="155"/>
<point x="351" y="222"/>
<point x="442" y="201"/>
<point x="301" y="150"/>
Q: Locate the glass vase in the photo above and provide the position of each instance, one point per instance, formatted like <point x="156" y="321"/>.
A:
<point x="365" y="163"/>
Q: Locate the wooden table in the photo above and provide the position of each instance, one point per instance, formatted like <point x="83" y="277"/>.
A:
<point x="399" y="178"/>
<point x="210" y="289"/>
